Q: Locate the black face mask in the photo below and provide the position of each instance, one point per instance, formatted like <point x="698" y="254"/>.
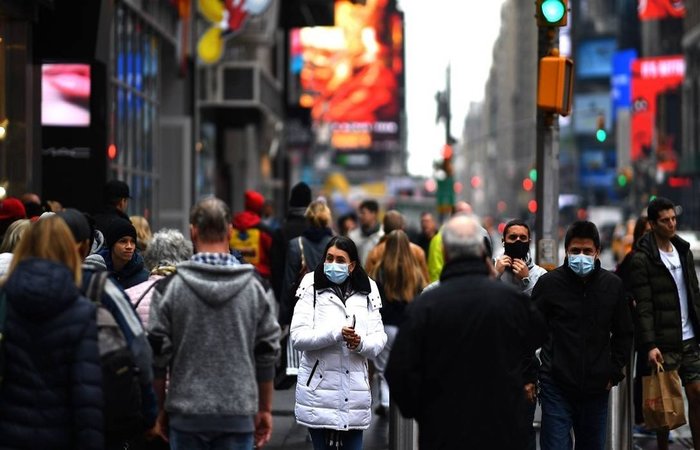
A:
<point x="517" y="249"/>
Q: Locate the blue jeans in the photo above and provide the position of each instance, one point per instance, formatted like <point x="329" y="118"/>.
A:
<point x="210" y="440"/>
<point x="352" y="440"/>
<point x="587" y="415"/>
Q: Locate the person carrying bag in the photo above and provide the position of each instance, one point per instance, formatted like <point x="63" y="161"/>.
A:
<point x="663" y="399"/>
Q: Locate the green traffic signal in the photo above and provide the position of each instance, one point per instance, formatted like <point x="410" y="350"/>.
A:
<point x="533" y="174"/>
<point x="601" y="135"/>
<point x="553" y="10"/>
<point x="551" y="13"/>
<point x="621" y="180"/>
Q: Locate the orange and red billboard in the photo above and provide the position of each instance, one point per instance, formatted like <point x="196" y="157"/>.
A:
<point x="652" y="78"/>
<point x="351" y="75"/>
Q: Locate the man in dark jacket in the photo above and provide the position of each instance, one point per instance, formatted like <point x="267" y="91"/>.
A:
<point x="456" y="365"/>
<point x="293" y="226"/>
<point x="116" y="201"/>
<point x="665" y="287"/>
<point x="589" y="339"/>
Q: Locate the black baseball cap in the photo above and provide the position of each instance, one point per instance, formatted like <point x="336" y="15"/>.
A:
<point x="116" y="189"/>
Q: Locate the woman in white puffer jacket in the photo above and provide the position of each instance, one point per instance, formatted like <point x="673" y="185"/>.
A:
<point x="337" y="326"/>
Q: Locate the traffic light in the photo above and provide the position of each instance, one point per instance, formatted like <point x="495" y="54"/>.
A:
<point x="600" y="134"/>
<point x="551" y="13"/>
<point x="556" y="84"/>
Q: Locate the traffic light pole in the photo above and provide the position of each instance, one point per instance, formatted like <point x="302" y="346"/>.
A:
<point x="547" y="163"/>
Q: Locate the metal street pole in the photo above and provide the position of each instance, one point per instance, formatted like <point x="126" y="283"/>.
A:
<point x="547" y="164"/>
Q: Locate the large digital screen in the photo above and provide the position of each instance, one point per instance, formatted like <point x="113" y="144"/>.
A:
<point x="65" y="95"/>
<point x="661" y="9"/>
<point x="595" y="58"/>
<point x="351" y="75"/>
<point x="651" y="78"/>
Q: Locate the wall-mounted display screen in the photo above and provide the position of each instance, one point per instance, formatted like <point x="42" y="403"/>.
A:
<point x="65" y="96"/>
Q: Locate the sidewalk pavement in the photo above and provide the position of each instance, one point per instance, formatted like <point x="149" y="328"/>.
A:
<point x="288" y="435"/>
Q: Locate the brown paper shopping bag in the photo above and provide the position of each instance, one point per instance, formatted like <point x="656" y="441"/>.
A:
<point x="663" y="400"/>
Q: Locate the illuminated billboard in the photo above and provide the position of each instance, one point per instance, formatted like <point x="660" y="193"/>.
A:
<point x="651" y="79"/>
<point x="351" y="76"/>
<point x="661" y="9"/>
<point x="65" y="95"/>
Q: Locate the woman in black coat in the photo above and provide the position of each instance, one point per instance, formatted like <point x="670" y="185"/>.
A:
<point x="51" y="391"/>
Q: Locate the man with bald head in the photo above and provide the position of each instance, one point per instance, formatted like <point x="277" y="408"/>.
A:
<point x="465" y="339"/>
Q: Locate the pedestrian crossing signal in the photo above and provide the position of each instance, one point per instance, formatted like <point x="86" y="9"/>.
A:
<point x="555" y="85"/>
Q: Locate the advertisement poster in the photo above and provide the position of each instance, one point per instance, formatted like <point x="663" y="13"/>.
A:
<point x="651" y="79"/>
<point x="661" y="9"/>
<point x="351" y="75"/>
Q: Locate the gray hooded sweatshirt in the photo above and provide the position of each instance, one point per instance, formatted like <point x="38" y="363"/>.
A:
<point x="214" y="328"/>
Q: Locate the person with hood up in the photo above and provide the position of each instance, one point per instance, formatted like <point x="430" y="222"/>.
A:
<point x="120" y="255"/>
<point x="252" y="238"/>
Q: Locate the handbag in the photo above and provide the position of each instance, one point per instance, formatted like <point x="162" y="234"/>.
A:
<point x="662" y="397"/>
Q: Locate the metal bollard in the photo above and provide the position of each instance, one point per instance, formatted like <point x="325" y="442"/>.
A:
<point x="403" y="433"/>
<point x="621" y="412"/>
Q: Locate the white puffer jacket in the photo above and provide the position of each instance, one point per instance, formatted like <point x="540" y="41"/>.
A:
<point x="333" y="386"/>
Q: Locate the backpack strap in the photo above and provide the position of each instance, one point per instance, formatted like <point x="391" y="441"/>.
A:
<point x="96" y="286"/>
<point x="148" y="289"/>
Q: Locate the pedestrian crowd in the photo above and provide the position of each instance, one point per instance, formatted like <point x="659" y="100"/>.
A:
<point x="116" y="336"/>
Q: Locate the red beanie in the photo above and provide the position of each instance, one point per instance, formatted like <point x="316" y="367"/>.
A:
<point x="254" y="201"/>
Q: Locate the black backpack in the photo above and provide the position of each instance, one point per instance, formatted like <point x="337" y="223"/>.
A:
<point x="121" y="389"/>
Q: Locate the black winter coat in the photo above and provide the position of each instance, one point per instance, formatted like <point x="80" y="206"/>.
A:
<point x="589" y="328"/>
<point x="457" y="362"/>
<point x="294" y="224"/>
<point x="314" y="243"/>
<point x="51" y="394"/>
<point x="658" y="309"/>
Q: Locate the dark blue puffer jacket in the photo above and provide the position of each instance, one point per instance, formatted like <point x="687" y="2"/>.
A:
<point x="51" y="394"/>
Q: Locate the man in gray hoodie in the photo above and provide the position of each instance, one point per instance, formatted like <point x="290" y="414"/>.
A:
<point x="213" y="330"/>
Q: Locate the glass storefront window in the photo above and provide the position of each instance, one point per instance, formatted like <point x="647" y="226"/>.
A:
<point x="135" y="108"/>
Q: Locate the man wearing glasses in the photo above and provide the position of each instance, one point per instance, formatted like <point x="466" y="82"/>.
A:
<point x="589" y="339"/>
<point x="665" y="288"/>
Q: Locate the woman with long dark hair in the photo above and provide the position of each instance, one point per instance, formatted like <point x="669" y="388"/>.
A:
<point x="337" y="326"/>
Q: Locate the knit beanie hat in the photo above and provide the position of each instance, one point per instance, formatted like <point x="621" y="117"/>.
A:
<point x="117" y="229"/>
<point x="300" y="196"/>
<point x="253" y="201"/>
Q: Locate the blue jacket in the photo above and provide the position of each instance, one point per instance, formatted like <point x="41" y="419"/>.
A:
<point x="132" y="273"/>
<point x="51" y="394"/>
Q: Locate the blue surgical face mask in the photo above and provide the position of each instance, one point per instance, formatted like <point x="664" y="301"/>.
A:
<point x="336" y="272"/>
<point x="581" y="264"/>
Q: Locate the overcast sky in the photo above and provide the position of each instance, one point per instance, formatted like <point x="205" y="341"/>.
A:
<point x="437" y="33"/>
